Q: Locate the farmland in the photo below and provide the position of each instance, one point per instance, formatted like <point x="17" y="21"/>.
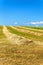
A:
<point x="21" y="45"/>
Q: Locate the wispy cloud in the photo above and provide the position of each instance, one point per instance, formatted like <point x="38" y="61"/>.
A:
<point x="15" y="23"/>
<point x="35" y="23"/>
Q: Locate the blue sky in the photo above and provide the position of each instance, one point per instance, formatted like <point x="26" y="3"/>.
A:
<point x="21" y="12"/>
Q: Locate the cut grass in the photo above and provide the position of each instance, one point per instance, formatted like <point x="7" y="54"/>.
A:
<point x="21" y="54"/>
<point x="27" y="35"/>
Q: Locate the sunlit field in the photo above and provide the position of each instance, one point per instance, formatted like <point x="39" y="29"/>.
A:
<point x="21" y="45"/>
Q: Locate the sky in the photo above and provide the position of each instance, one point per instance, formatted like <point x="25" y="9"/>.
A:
<point x="21" y="12"/>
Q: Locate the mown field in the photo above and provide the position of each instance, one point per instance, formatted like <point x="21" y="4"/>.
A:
<point x="21" y="45"/>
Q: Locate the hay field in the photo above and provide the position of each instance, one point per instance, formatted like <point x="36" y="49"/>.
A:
<point x="21" y="45"/>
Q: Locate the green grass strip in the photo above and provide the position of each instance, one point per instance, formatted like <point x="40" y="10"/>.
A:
<point x="33" y="27"/>
<point x="27" y="35"/>
<point x="1" y="32"/>
<point x="25" y="28"/>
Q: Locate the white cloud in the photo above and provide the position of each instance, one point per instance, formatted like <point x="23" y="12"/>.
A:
<point x="41" y="22"/>
<point x="35" y="23"/>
